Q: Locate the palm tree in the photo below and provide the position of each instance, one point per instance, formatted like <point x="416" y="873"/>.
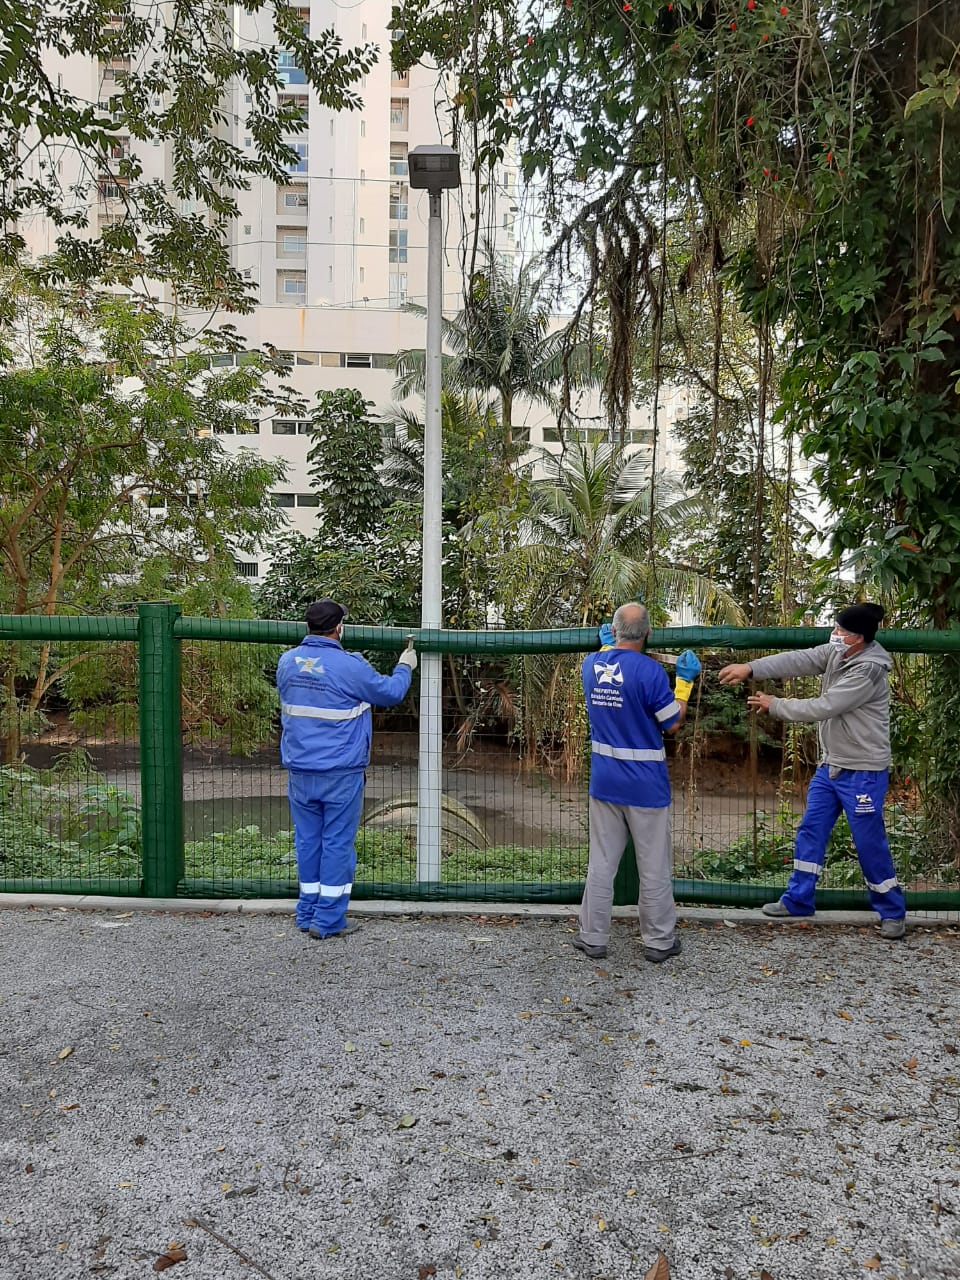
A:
<point x="583" y="545"/>
<point x="470" y="435"/>
<point x="501" y="344"/>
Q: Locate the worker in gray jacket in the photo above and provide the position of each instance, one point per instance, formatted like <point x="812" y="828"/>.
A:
<point x="853" y="711"/>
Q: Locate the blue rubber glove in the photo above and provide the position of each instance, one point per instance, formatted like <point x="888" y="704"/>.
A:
<point x="606" y="634"/>
<point x="688" y="666"/>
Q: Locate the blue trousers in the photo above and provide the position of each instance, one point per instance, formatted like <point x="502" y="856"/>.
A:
<point x="859" y="794"/>
<point x="326" y="809"/>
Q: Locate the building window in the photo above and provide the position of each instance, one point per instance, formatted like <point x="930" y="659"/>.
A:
<point x="288" y="71"/>
<point x="363" y="128"/>
<point x="308" y="357"/>
<point x="398" y="289"/>
<point x="300" y="164"/>
<point x="363" y="177"/>
<point x="400" y="113"/>
<point x="399" y="168"/>
<point x="363" y="225"/>
<point x="291" y="286"/>
<point x="294" y="197"/>
<point x="362" y="271"/>
<point x="296" y="102"/>
<point x="291" y="426"/>
<point x="247" y="568"/>
<point x="330" y="273"/>
<point x="398" y="245"/>
<point x="292" y="241"/>
<point x="283" y="499"/>
<point x="398" y="201"/>
<point x="308" y="499"/>
<point x="357" y="360"/>
<point x="400" y="79"/>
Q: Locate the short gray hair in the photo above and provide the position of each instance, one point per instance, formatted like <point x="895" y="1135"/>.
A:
<point x="631" y="622"/>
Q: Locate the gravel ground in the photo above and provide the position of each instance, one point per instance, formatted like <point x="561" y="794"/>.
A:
<point x="472" y="1098"/>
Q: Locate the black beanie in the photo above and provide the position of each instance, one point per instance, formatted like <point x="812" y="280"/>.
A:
<point x="861" y="619"/>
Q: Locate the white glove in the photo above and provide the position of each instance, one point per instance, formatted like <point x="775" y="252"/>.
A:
<point x="408" y="658"/>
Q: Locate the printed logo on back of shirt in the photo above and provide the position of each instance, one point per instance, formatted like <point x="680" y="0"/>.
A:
<point x="310" y="666"/>
<point x="608" y="672"/>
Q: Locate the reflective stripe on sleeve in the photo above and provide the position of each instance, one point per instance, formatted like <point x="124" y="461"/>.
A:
<point x="324" y="713"/>
<point x="813" y="867"/>
<point x="884" y="886"/>
<point x="666" y="713"/>
<point x="334" y="890"/>
<point x="628" y="753"/>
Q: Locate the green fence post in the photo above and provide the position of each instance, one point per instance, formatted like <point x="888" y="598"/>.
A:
<point x="626" y="885"/>
<point x="161" y="772"/>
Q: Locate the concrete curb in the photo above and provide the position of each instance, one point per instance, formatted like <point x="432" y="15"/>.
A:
<point x="522" y="911"/>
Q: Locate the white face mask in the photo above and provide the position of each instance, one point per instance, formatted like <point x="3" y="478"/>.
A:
<point x="840" y="643"/>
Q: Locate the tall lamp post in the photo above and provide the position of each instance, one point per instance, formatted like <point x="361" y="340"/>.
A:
<point x="433" y="169"/>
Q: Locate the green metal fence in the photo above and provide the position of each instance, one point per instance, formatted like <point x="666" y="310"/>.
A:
<point x="144" y="761"/>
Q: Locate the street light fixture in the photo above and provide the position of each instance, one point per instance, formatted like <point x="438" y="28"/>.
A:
<point x="433" y="169"/>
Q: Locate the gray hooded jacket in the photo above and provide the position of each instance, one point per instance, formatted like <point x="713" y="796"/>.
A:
<point x="853" y="706"/>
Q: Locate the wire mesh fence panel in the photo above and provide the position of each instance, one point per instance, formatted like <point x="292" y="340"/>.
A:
<point x="142" y="755"/>
<point x="237" y="832"/>
<point x="70" y="782"/>
<point x="508" y="800"/>
<point x="740" y="783"/>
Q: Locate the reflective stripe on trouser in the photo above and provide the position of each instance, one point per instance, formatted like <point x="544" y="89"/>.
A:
<point x="859" y="794"/>
<point x="326" y="812"/>
<point x="610" y="825"/>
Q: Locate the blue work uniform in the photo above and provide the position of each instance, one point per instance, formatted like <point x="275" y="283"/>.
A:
<point x="853" y="714"/>
<point x="629" y="705"/>
<point x="325" y="698"/>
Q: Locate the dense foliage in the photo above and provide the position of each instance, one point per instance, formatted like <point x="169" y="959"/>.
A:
<point x="803" y="152"/>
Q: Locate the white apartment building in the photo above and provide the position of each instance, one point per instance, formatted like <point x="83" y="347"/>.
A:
<point x="338" y="249"/>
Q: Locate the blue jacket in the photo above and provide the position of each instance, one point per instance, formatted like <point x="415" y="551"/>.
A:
<point x="629" y="705"/>
<point x="325" y="699"/>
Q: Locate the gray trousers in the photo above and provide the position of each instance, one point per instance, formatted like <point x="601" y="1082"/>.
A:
<point x="610" y="825"/>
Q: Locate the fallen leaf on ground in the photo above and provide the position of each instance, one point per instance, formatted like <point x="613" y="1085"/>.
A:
<point x="873" y="1264"/>
<point x="842" y="1013"/>
<point x="406" y="1121"/>
<point x="911" y="1065"/>
<point x="660" y="1269"/>
<point x="765" y="1275"/>
<point x="65" y="1053"/>
<point x="170" y="1258"/>
<point x="427" y="1269"/>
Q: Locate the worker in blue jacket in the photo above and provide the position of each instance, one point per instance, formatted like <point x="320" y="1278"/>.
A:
<point x="630" y="707"/>
<point x="325" y="698"/>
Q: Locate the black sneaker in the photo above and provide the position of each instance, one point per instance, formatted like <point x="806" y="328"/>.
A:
<point x="657" y="955"/>
<point x="595" y="953"/>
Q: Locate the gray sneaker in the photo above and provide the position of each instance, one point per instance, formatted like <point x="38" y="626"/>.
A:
<point x="893" y="929"/>
<point x="657" y="955"/>
<point x="595" y="953"/>
<point x="776" y="909"/>
<point x="350" y="927"/>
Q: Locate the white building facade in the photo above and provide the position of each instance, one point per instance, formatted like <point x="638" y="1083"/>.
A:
<point x="338" y="249"/>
